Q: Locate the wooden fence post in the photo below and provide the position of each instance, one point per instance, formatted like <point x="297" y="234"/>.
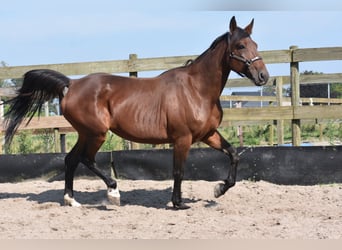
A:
<point x="1" y="119"/>
<point x="239" y="127"/>
<point x="62" y="136"/>
<point x="271" y="129"/>
<point x="280" y="123"/>
<point x="132" y="58"/>
<point x="57" y="144"/>
<point x="62" y="139"/>
<point x="295" y="97"/>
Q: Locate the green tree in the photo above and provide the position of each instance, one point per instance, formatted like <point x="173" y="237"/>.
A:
<point x="336" y="90"/>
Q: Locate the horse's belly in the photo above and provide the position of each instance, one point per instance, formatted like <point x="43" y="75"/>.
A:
<point x="141" y="137"/>
<point x="142" y="132"/>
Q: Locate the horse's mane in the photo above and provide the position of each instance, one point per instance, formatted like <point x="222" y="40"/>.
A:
<point x="212" y="46"/>
<point x="242" y="33"/>
<point x="218" y="40"/>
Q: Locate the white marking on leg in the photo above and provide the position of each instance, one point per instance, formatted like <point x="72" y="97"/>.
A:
<point x="113" y="196"/>
<point x="68" y="201"/>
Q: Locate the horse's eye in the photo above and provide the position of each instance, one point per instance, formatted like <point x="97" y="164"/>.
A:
<point x="240" y="46"/>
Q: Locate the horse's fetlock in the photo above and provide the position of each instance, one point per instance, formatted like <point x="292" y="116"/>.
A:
<point x="112" y="184"/>
<point x="230" y="182"/>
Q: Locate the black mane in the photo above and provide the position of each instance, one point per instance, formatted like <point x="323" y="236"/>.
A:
<point x="218" y="40"/>
<point x="212" y="46"/>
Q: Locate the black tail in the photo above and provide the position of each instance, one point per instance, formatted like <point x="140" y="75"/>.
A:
<point x="38" y="87"/>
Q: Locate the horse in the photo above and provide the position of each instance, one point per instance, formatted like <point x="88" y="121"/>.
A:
<point x="180" y="106"/>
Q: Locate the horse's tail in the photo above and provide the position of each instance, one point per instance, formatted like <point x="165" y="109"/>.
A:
<point x="38" y="87"/>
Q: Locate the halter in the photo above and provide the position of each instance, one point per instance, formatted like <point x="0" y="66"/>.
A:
<point x="247" y="62"/>
<point x="244" y="60"/>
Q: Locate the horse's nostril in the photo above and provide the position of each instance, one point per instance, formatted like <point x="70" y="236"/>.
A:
<point x="263" y="77"/>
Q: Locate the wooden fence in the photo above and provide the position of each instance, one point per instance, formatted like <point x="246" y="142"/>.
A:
<point x="293" y="56"/>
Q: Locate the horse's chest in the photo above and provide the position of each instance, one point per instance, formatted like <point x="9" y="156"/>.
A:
<point x="207" y="120"/>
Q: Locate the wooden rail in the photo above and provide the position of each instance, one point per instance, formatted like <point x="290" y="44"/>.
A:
<point x="50" y="122"/>
<point x="165" y="63"/>
<point x="125" y="66"/>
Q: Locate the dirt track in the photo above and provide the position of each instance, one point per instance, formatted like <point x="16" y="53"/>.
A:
<point x="250" y="210"/>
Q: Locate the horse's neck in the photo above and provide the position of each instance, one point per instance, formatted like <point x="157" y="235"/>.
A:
<point x="213" y="71"/>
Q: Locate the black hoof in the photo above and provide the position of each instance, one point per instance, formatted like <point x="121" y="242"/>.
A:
<point x="180" y="206"/>
<point x="219" y="190"/>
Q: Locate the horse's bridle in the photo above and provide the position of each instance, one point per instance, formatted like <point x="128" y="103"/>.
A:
<point x="244" y="60"/>
<point x="247" y="62"/>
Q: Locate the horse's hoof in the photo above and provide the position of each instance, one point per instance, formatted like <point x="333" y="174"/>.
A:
<point x="69" y="201"/>
<point x="219" y="190"/>
<point x="113" y="196"/>
<point x="180" y="206"/>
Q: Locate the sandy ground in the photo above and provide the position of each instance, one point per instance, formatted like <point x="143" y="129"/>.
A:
<point x="250" y="210"/>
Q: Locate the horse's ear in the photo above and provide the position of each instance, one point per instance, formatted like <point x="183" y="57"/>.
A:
<point x="232" y="25"/>
<point x="249" y="27"/>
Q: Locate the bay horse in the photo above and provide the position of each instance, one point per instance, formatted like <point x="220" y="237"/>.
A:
<point x="180" y="106"/>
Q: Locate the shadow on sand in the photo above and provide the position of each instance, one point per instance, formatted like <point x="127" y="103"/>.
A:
<point x="158" y="198"/>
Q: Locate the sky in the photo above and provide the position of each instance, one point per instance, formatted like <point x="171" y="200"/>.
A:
<point x="47" y="32"/>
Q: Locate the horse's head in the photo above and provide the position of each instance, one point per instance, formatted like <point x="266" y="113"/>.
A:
<point x="243" y="56"/>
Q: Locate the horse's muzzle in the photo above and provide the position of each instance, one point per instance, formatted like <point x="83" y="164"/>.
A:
<point x="261" y="78"/>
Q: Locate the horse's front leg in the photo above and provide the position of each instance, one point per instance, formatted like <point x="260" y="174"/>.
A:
<point x="216" y="141"/>
<point x="180" y="153"/>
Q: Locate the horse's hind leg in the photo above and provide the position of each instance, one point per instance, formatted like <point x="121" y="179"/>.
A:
<point x="71" y="162"/>
<point x="88" y="159"/>
<point x="216" y="141"/>
<point x="112" y="189"/>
